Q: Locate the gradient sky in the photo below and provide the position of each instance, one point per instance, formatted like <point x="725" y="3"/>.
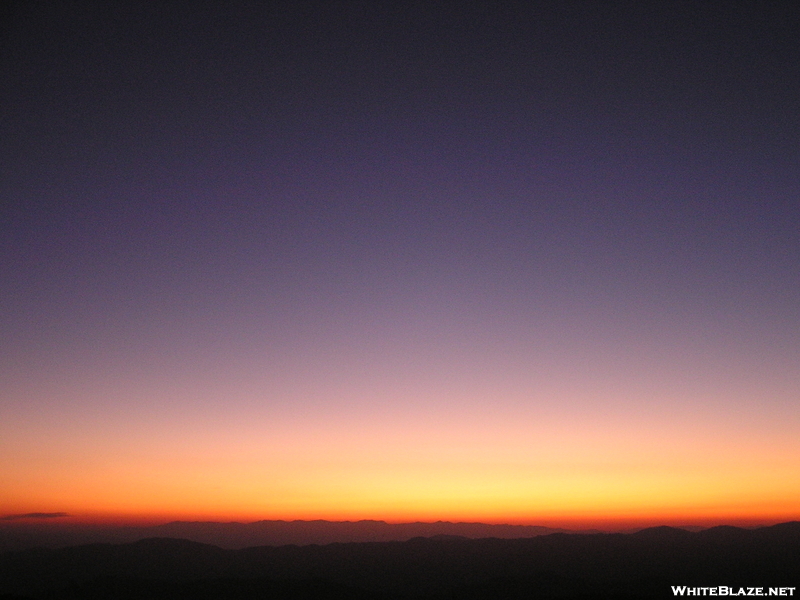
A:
<point x="533" y="265"/>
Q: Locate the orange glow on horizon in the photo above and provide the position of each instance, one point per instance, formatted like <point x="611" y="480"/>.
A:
<point x="603" y="469"/>
<point x="583" y="479"/>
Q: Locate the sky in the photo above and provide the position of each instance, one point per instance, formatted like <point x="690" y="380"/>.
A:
<point x="533" y="263"/>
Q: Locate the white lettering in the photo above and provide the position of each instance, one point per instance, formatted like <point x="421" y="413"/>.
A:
<point x="724" y="590"/>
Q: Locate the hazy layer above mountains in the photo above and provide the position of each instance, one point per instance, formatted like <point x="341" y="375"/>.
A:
<point x="17" y="535"/>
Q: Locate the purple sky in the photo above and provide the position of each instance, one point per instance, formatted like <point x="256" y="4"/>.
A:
<point x="222" y="225"/>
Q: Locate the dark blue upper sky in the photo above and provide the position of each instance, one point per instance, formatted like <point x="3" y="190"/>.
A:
<point x="610" y="137"/>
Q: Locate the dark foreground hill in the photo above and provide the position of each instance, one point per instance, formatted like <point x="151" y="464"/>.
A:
<point x="640" y="565"/>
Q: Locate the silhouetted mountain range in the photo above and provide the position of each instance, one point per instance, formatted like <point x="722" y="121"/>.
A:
<point x="18" y="535"/>
<point x="640" y="565"/>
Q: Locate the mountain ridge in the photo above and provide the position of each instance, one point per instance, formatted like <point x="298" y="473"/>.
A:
<point x="553" y="565"/>
<point x="16" y="535"/>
